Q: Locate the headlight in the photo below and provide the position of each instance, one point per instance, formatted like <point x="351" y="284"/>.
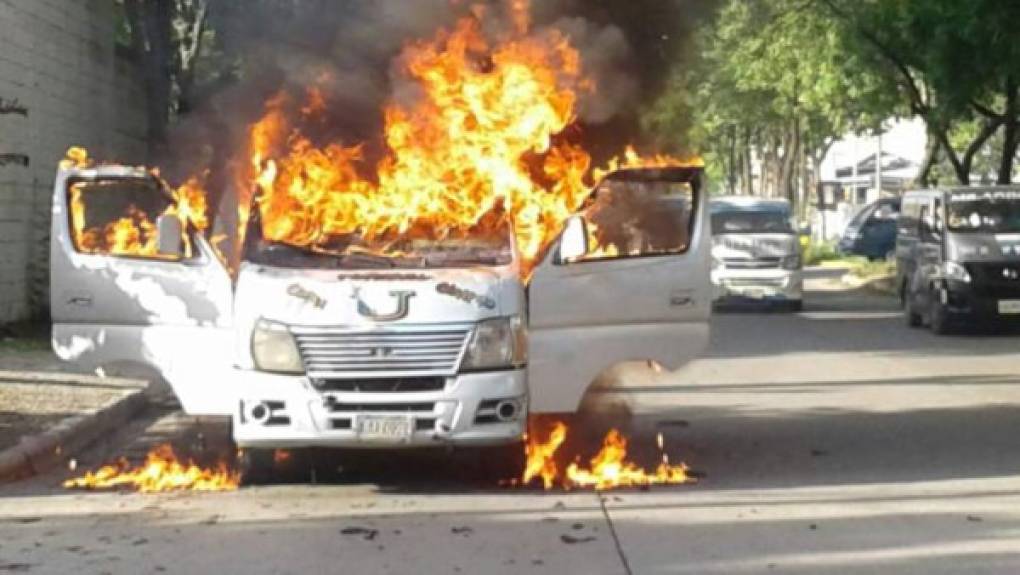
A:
<point x="273" y="348"/>
<point x="956" y="272"/>
<point x="497" y="343"/>
<point x="791" y="263"/>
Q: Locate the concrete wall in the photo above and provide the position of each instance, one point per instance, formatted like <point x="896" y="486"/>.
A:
<point x="58" y="58"/>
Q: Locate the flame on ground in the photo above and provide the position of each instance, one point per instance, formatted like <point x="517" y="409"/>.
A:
<point x="609" y="469"/>
<point x="162" y="471"/>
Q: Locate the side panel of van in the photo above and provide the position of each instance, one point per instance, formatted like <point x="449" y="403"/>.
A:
<point x="587" y="315"/>
<point x="138" y="314"/>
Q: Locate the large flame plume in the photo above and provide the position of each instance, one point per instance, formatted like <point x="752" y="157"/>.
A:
<point x="482" y="136"/>
<point x="162" y="471"/>
<point x="608" y="469"/>
<point x="479" y="140"/>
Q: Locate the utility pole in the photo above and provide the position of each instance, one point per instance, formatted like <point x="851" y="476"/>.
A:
<point x="878" y="168"/>
<point x="854" y="175"/>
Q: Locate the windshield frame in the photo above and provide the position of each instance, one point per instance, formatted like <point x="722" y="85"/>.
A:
<point x="260" y="251"/>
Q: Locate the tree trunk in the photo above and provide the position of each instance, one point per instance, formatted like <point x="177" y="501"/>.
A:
<point x="791" y="150"/>
<point x="151" y="23"/>
<point x="931" y="159"/>
<point x="188" y="52"/>
<point x="748" y="168"/>
<point x="731" y="167"/>
<point x="1011" y="140"/>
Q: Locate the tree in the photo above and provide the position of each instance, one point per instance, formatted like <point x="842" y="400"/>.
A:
<point x="774" y="83"/>
<point x="953" y="63"/>
<point x="166" y="36"/>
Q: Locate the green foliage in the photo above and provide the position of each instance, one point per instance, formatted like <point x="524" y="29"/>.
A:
<point x="766" y="66"/>
<point x="818" y="252"/>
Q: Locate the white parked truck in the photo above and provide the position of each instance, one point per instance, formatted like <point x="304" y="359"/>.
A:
<point x="446" y="345"/>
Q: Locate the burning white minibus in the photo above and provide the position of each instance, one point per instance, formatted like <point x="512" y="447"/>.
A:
<point x="436" y="341"/>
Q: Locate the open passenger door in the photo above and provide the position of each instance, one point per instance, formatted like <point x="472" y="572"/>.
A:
<point x="629" y="279"/>
<point x="134" y="293"/>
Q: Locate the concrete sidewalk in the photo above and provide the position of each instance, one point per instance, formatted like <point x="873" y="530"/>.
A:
<point x="47" y="417"/>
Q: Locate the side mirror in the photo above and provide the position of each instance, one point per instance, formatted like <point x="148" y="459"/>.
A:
<point x="168" y="237"/>
<point x="574" y="242"/>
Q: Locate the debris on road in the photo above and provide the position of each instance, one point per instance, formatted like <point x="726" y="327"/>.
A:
<point x="367" y="533"/>
<point x="571" y="540"/>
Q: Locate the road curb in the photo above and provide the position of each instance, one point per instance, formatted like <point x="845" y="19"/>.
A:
<point x="41" y="452"/>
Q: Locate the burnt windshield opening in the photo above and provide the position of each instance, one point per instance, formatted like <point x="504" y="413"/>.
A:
<point x="488" y="244"/>
<point x="987" y="211"/>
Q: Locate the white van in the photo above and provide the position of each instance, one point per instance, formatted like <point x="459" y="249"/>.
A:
<point x="756" y="254"/>
<point x="449" y="347"/>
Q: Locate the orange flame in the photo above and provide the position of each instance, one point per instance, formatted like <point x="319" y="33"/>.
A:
<point x="162" y="471"/>
<point x="609" y="468"/>
<point x="134" y="234"/>
<point x="478" y="141"/>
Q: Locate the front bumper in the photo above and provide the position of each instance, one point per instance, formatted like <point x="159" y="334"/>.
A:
<point x="979" y="302"/>
<point x="759" y="285"/>
<point x="302" y="416"/>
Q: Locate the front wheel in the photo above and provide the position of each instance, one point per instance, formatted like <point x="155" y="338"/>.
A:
<point x="499" y="463"/>
<point x="938" y="319"/>
<point x="912" y="317"/>
<point x="255" y="466"/>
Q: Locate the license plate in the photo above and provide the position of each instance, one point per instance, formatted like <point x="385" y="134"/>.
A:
<point x="1009" y="307"/>
<point x="392" y="429"/>
<point x="755" y="293"/>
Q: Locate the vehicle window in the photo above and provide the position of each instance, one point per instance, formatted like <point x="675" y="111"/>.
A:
<point x="116" y="216"/>
<point x="908" y="220"/>
<point x="886" y="213"/>
<point x="639" y="218"/>
<point x="860" y="217"/>
<point x="928" y="224"/>
<point x="984" y="212"/>
<point x="749" y="221"/>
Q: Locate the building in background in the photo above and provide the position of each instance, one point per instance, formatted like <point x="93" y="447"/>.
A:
<point x="58" y="60"/>
<point x="849" y="180"/>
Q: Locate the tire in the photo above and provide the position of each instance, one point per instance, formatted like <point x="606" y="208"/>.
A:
<point x="795" y="306"/>
<point x="500" y="463"/>
<point x="255" y="466"/>
<point x="937" y="319"/>
<point x="912" y="317"/>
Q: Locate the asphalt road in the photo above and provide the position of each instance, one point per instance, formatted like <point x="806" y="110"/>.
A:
<point x="832" y="441"/>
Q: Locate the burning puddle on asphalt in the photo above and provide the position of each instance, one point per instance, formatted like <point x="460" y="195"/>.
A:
<point x="554" y="459"/>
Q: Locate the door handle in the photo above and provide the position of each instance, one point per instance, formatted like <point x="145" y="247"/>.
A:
<point x="80" y="300"/>
<point x="681" y="299"/>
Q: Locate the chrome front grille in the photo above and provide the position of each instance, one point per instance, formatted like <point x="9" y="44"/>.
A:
<point x="390" y="352"/>
<point x="754" y="282"/>
<point x="752" y="264"/>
